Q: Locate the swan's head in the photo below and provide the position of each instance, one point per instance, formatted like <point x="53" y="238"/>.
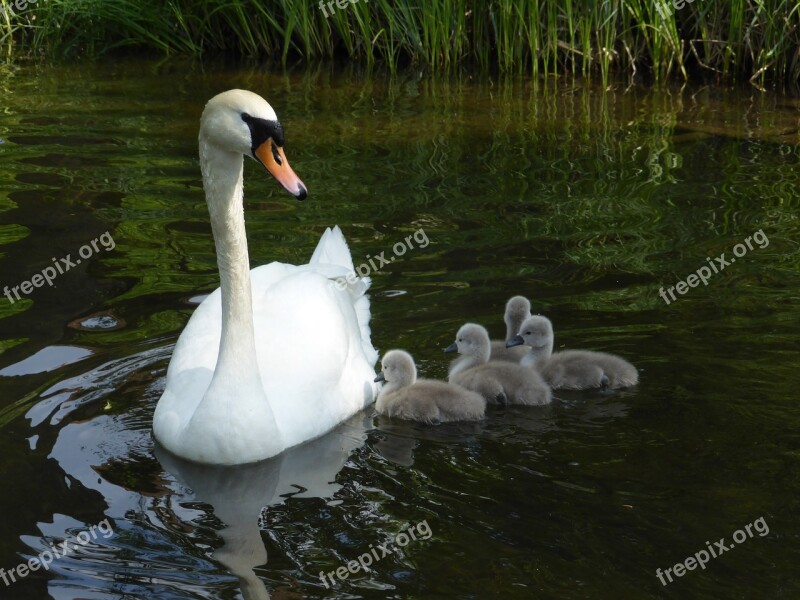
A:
<point x="518" y="309"/>
<point x="472" y="340"/>
<point x="536" y="332"/>
<point x="397" y="368"/>
<point x="243" y="122"/>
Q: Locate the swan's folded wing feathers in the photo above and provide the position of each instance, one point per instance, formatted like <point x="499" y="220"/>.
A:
<point x="332" y="249"/>
<point x="363" y="314"/>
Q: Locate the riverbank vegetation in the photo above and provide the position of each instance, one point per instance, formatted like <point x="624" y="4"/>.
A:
<point x="658" y="40"/>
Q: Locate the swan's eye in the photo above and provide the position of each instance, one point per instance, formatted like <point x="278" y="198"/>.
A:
<point x="262" y="130"/>
<point x="527" y="333"/>
<point x="275" y="154"/>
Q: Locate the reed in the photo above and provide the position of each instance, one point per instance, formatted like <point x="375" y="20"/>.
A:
<point x="726" y="40"/>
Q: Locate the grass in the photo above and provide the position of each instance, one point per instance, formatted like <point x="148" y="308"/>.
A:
<point x="722" y="40"/>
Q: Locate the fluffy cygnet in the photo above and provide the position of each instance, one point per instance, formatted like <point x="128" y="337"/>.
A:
<point x="518" y="309"/>
<point x="425" y="400"/>
<point x="571" y="369"/>
<point x="497" y="381"/>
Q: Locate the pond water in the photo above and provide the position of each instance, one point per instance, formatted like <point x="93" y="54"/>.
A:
<point x="586" y="200"/>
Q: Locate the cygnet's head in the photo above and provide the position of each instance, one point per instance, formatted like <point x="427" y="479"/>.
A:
<point x="243" y="122"/>
<point x="397" y="369"/>
<point x="518" y="308"/>
<point x="472" y="340"/>
<point x="536" y="332"/>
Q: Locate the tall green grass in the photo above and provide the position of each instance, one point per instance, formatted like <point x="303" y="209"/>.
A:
<point x="757" y="40"/>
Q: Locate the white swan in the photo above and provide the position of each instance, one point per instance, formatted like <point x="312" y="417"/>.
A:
<point x="275" y="356"/>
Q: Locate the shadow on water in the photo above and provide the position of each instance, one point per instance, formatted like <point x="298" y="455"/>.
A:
<point x="587" y="200"/>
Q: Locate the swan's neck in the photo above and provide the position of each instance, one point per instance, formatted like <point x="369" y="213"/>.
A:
<point x="403" y="379"/>
<point x="222" y="181"/>
<point x="539" y="355"/>
<point x="514" y="324"/>
<point x="234" y="420"/>
<point x="467" y="361"/>
<point x="388" y="388"/>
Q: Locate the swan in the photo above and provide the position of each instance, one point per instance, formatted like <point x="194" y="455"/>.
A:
<point x="425" y="400"/>
<point x="518" y="308"/>
<point x="275" y="356"/>
<point x="571" y="369"/>
<point x="497" y="381"/>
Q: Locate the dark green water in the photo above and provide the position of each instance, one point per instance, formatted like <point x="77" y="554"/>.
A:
<point x="587" y="201"/>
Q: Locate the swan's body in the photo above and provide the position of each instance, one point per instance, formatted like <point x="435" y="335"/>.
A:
<point x="496" y="381"/>
<point x="425" y="400"/>
<point x="518" y="308"/>
<point x="571" y="369"/>
<point x="278" y="355"/>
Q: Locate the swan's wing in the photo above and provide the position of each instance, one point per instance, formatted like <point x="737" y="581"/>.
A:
<point x="311" y="353"/>
<point x="364" y="314"/>
<point x="332" y="259"/>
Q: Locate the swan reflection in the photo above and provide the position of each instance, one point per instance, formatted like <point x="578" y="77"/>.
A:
<point x="239" y="494"/>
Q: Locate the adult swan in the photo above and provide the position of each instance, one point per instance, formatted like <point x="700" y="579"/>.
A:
<point x="275" y="356"/>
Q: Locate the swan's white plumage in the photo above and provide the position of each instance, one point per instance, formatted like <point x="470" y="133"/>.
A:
<point x="315" y="361"/>
<point x="278" y="355"/>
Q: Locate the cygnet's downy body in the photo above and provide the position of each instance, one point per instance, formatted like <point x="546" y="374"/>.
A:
<point x="424" y="400"/>
<point x="497" y="381"/>
<point x="571" y="369"/>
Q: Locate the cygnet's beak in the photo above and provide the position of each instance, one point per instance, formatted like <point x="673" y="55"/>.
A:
<point x="274" y="160"/>
<point x="380" y="378"/>
<point x="515" y="341"/>
<point x="452" y="348"/>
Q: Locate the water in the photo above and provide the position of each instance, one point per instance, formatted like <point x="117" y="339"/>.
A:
<point x="586" y="200"/>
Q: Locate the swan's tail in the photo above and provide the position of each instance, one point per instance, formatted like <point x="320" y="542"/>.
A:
<point x="332" y="249"/>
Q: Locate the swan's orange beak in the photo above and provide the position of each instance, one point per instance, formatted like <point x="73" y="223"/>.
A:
<point x="274" y="160"/>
